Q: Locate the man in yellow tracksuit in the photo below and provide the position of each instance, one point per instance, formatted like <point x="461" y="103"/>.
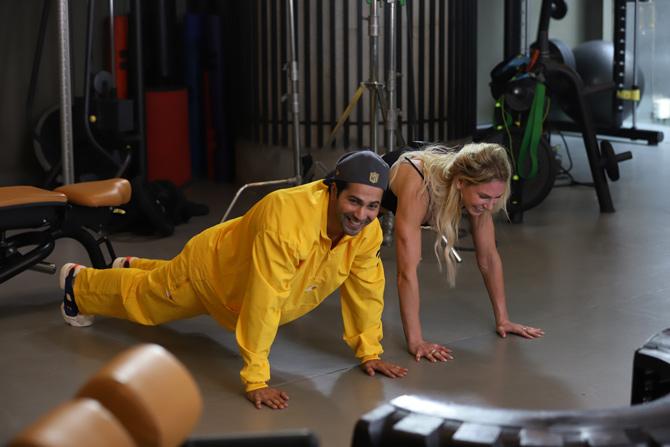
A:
<point x="269" y="267"/>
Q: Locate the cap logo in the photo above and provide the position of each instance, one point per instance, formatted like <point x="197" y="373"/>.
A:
<point x="374" y="177"/>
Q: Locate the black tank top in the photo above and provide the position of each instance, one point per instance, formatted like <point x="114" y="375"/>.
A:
<point x="389" y="199"/>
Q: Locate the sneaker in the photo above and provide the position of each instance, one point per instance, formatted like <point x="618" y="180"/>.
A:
<point x="123" y="262"/>
<point x="69" y="308"/>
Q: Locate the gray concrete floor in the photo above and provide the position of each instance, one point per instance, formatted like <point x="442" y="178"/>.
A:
<point x="598" y="284"/>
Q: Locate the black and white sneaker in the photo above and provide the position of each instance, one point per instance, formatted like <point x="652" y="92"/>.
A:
<point x="69" y="308"/>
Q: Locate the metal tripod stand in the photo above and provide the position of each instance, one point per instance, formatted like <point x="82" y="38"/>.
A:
<point x="292" y="73"/>
<point x="382" y="96"/>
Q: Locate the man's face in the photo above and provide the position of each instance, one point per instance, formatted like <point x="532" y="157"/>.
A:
<point x="356" y="206"/>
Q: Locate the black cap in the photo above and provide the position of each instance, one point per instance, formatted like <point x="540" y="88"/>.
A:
<point x="364" y="167"/>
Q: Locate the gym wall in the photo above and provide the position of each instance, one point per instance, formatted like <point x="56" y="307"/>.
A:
<point x="19" y="22"/>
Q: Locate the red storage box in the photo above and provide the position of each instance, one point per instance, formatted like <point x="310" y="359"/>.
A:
<point x="168" y="150"/>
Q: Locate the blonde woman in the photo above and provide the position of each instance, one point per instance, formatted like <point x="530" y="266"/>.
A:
<point x="435" y="186"/>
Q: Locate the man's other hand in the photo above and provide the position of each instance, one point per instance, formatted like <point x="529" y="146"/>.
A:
<point x="271" y="397"/>
<point x="388" y="369"/>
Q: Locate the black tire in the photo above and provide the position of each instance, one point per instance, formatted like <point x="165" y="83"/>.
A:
<point x="411" y="420"/>
<point x="535" y="190"/>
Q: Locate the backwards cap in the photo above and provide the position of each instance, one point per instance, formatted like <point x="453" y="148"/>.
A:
<point x="364" y="167"/>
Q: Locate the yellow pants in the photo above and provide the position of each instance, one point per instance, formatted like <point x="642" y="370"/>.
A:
<point x="151" y="292"/>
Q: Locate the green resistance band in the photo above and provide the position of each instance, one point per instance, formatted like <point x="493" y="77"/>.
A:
<point x="532" y="134"/>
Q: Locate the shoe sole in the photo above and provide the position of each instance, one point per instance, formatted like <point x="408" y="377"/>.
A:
<point x="77" y="321"/>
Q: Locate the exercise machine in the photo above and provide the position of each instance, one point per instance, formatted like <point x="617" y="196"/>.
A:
<point x="97" y="135"/>
<point x="32" y="219"/>
<point x="622" y="73"/>
<point x="523" y="87"/>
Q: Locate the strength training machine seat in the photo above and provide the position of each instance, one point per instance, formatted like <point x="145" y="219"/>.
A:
<point x="32" y="219"/>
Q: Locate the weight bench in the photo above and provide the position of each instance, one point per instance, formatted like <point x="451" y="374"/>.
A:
<point x="32" y="219"/>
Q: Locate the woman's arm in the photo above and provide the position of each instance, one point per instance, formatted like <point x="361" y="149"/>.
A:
<point x="412" y="209"/>
<point x="490" y="266"/>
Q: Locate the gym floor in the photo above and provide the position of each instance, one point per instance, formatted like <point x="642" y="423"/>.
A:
<point x="598" y="284"/>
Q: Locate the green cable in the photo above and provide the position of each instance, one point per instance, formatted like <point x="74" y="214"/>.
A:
<point x="533" y="133"/>
<point x="507" y="121"/>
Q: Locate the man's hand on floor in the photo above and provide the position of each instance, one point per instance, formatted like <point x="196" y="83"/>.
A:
<point x="388" y="369"/>
<point x="271" y="397"/>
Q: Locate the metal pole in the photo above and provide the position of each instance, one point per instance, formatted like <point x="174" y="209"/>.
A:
<point x="254" y="185"/>
<point x="112" y="49"/>
<point x="295" y="104"/>
<point x="292" y="67"/>
<point x="526" y="45"/>
<point x="512" y="37"/>
<point x="137" y="70"/>
<point x="635" y="25"/>
<point x="392" y="114"/>
<point x="373" y="30"/>
<point x="67" y="146"/>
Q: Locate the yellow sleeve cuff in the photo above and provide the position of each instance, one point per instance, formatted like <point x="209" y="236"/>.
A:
<point x="369" y="357"/>
<point x="254" y="386"/>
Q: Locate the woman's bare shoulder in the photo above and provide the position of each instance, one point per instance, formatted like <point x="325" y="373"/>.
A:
<point x="412" y="196"/>
<point x="405" y="175"/>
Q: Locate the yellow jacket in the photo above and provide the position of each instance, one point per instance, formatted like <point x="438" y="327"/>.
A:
<point x="275" y="264"/>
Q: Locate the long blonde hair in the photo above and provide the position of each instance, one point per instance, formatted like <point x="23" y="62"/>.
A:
<point x="474" y="164"/>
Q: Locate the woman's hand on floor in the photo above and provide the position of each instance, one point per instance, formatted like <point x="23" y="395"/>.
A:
<point x="521" y="330"/>
<point x="433" y="352"/>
